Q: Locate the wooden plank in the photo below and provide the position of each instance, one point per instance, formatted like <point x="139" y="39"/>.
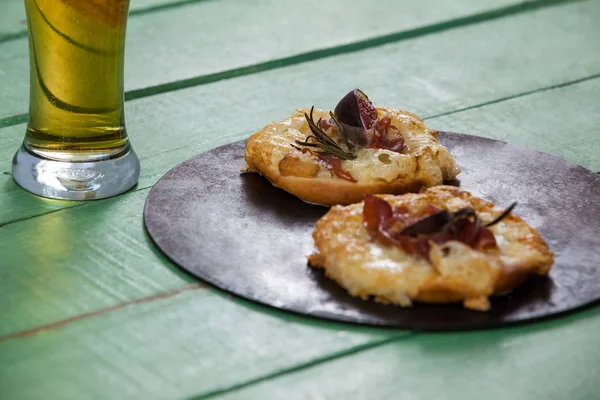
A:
<point x="169" y="128"/>
<point x="208" y="37"/>
<point x="553" y="360"/>
<point x="194" y="342"/>
<point x="13" y="23"/>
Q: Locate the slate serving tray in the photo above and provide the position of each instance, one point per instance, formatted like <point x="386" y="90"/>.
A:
<point x="241" y="234"/>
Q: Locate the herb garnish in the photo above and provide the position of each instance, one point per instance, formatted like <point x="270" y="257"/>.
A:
<point x="320" y="140"/>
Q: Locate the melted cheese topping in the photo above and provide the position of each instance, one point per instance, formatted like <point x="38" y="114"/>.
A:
<point x="373" y="165"/>
<point x="366" y="267"/>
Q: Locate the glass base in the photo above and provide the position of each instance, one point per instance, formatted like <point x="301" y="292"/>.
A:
<point x="75" y="180"/>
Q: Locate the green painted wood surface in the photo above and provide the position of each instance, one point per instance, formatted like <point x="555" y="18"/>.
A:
<point x="209" y="37"/>
<point x="84" y="260"/>
<point x="184" y="345"/>
<point x="551" y="361"/>
<point x="544" y="120"/>
<point x="419" y="83"/>
<point x="178" y="346"/>
<point x="93" y="292"/>
<point x="13" y="23"/>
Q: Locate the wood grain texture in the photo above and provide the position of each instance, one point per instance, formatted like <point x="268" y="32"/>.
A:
<point x="554" y="361"/>
<point x="188" y="344"/>
<point x="79" y="261"/>
<point x="169" y="128"/>
<point x="242" y="33"/>
<point x="64" y="322"/>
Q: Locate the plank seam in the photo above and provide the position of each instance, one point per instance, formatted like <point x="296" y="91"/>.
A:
<point x="327" y="52"/>
<point x="507" y="98"/>
<point x="305" y="365"/>
<point x="39" y="215"/>
<point x="516" y="96"/>
<point x="141" y="11"/>
<point x="67" y="321"/>
<point x="7" y="37"/>
<point x="16" y="119"/>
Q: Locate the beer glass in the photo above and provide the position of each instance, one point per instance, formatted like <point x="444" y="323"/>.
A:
<point x="76" y="144"/>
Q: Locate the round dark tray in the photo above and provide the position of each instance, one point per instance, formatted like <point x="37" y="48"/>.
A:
<point x="241" y="234"/>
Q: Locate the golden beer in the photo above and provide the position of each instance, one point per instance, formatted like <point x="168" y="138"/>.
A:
<point x="76" y="52"/>
<point x="76" y="110"/>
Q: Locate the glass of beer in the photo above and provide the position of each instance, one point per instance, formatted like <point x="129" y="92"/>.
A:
<point x="76" y="144"/>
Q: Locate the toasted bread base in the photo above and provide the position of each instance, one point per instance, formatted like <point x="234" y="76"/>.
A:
<point x="329" y="191"/>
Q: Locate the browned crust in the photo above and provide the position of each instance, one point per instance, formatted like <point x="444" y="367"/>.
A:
<point x="326" y="191"/>
<point x="509" y="278"/>
<point x="336" y="191"/>
<point x="435" y="290"/>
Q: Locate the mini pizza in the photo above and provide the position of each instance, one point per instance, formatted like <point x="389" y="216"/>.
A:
<point x="340" y="157"/>
<point x="442" y="245"/>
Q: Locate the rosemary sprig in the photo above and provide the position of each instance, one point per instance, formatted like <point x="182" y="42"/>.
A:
<point x="340" y="130"/>
<point x="321" y="141"/>
<point x="503" y="215"/>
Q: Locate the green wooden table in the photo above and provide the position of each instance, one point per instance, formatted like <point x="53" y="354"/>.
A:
<point x="90" y="310"/>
